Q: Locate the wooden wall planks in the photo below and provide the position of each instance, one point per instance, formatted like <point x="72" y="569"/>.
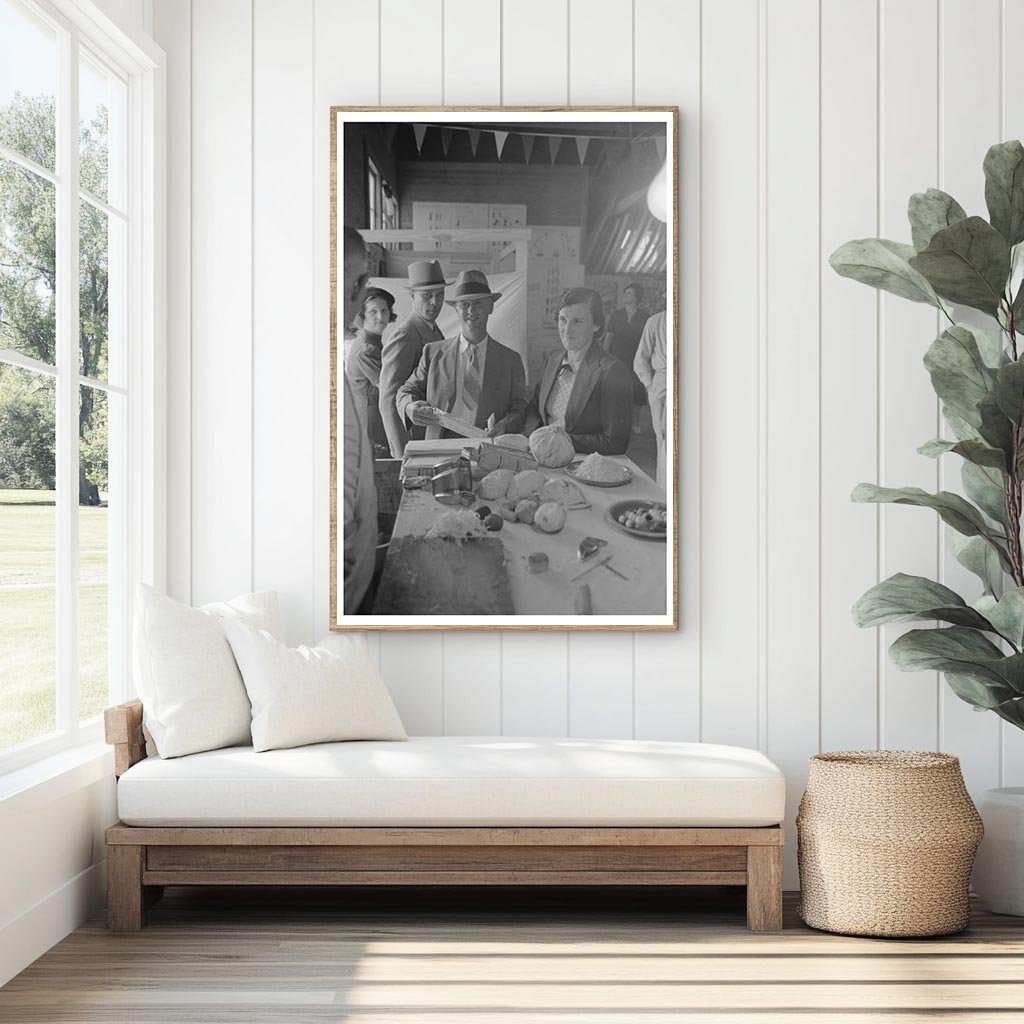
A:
<point x="803" y="125"/>
<point x="173" y="25"/>
<point x="968" y="125"/>
<point x="283" y="339"/>
<point x="1011" y="115"/>
<point x="909" y="414"/>
<point x="731" y="492"/>
<point x="792" y="418"/>
<point x="849" y="374"/>
<point x="666" y="668"/>
<point x="221" y="377"/>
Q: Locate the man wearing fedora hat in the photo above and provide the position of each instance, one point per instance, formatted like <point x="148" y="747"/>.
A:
<point x="471" y="375"/>
<point x="403" y="346"/>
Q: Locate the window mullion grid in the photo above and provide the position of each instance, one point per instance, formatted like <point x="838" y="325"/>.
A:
<point x="67" y="388"/>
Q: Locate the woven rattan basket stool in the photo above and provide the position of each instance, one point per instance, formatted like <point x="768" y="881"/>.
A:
<point x="886" y="840"/>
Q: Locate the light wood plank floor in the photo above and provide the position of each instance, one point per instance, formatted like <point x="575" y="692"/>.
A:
<point x="496" y="956"/>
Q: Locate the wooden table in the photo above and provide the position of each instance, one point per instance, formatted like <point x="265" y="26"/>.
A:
<point x="644" y="563"/>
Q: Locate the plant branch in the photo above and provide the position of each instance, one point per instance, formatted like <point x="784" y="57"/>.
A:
<point x="1012" y="493"/>
<point x="1011" y="332"/>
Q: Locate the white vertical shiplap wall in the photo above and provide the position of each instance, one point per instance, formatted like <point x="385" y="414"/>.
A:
<point x="731" y="310"/>
<point x="791" y="396"/>
<point x="848" y="391"/>
<point x="222" y="344"/>
<point x="283" y="303"/>
<point x="968" y="122"/>
<point x="1011" y="116"/>
<point x="803" y="123"/>
<point x="908" y="161"/>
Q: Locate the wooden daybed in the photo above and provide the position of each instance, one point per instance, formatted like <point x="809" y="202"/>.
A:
<point x="144" y="858"/>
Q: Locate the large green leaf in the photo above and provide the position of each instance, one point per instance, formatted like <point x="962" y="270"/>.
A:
<point x="1006" y="614"/>
<point x="976" y="555"/>
<point x="967" y="263"/>
<point x="883" y="264"/>
<point x="962" y="430"/>
<point x="984" y="695"/>
<point x="973" y="451"/>
<point x="1004" y="189"/>
<point x="953" y="510"/>
<point x="1017" y="308"/>
<point x="990" y="345"/>
<point x="1009" y="390"/>
<point x="932" y="211"/>
<point x="1011" y="711"/>
<point x="958" y="371"/>
<point x="985" y="487"/>
<point x="996" y="427"/>
<point x="962" y="651"/>
<point x="903" y="598"/>
<point x="1015" y="286"/>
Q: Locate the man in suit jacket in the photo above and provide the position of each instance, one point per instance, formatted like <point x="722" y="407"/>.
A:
<point x="583" y="388"/>
<point x="403" y="346"/>
<point x="471" y="376"/>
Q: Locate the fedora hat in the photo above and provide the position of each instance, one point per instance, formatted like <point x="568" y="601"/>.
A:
<point x="426" y="274"/>
<point x="472" y="284"/>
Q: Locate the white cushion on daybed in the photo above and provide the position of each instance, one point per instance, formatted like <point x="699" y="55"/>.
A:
<point x="459" y="780"/>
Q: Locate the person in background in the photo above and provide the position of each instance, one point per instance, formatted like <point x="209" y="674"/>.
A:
<point x="362" y="368"/>
<point x="621" y="339"/>
<point x="651" y="367"/>
<point x="582" y="388"/>
<point x="403" y="346"/>
<point x="471" y="376"/>
<point x="359" y="496"/>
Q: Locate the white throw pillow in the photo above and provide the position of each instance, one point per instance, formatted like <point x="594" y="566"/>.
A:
<point x="192" y="693"/>
<point x="309" y="694"/>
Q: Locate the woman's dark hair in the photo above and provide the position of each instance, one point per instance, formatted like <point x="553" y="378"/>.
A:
<point x="585" y="297"/>
<point x="638" y="291"/>
<point x="377" y="293"/>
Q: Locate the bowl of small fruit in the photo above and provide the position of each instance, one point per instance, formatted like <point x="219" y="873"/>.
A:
<point x="639" y="518"/>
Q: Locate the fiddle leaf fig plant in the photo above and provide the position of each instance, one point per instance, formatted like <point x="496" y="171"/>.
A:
<point x="978" y="375"/>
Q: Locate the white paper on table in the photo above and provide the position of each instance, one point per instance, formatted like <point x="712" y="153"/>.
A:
<point x="457" y="426"/>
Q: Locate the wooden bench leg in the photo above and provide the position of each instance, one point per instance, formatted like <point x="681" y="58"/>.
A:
<point x="764" y="888"/>
<point x="125" y="897"/>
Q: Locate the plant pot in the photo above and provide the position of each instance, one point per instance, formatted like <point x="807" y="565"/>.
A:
<point x="886" y="839"/>
<point x="999" y="868"/>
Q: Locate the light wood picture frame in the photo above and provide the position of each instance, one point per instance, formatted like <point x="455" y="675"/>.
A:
<point x="534" y="230"/>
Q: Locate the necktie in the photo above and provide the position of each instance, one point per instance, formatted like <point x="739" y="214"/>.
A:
<point x="471" y="379"/>
<point x="561" y="390"/>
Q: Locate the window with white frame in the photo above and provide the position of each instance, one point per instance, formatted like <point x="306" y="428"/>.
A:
<point x="69" y="376"/>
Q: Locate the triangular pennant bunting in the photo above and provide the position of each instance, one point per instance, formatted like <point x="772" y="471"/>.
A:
<point x="500" y="139"/>
<point x="474" y="139"/>
<point x="419" y="130"/>
<point x="556" y="144"/>
<point x="582" y="142"/>
<point x="446" y="139"/>
<point x="528" y="141"/>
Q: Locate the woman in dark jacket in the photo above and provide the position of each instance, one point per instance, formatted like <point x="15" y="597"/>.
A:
<point x="364" y="358"/>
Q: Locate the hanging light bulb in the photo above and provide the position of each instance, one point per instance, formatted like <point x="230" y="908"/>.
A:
<point x="657" y="194"/>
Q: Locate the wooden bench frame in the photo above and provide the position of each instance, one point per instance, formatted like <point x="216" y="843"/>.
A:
<point x="142" y="860"/>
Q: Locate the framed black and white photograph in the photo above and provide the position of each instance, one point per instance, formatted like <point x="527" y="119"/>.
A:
<point x="504" y="385"/>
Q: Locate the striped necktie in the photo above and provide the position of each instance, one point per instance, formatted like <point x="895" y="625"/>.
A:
<point x="471" y="379"/>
